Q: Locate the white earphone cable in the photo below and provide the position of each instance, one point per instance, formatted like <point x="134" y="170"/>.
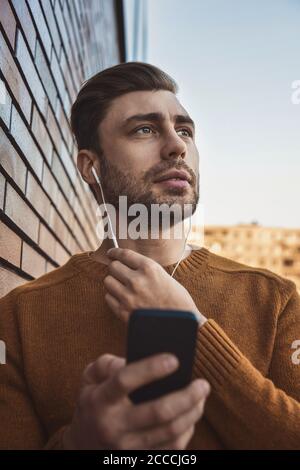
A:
<point x="184" y="248"/>
<point x="114" y="238"/>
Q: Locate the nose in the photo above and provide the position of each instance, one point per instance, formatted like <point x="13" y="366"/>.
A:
<point x="174" y="146"/>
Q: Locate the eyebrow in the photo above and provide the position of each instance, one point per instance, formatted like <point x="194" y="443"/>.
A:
<point x="159" y="117"/>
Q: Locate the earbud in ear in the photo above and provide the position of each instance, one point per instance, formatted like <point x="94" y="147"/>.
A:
<point x="95" y="175"/>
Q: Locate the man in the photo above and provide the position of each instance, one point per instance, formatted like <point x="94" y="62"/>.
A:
<point x="66" y="384"/>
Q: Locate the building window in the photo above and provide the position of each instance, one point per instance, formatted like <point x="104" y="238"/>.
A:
<point x="288" y="262"/>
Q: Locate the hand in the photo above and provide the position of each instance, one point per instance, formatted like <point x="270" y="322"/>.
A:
<point x="105" y="418"/>
<point x="136" y="281"/>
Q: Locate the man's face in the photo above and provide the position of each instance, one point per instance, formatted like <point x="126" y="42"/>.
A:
<point x="139" y="150"/>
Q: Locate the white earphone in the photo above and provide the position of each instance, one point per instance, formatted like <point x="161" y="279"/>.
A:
<point x="114" y="238"/>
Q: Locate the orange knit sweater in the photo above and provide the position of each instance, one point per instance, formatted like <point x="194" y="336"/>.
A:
<point x="55" y="325"/>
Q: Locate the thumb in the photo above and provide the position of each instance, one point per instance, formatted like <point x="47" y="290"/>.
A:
<point x="101" y="369"/>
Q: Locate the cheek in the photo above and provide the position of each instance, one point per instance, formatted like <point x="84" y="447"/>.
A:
<point x="142" y="156"/>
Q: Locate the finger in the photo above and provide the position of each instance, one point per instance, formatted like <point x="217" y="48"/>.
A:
<point x="168" y="407"/>
<point x="178" y="444"/>
<point x="112" y="302"/>
<point x="137" y="374"/>
<point x="120" y="271"/>
<point x="101" y="369"/>
<point x="116" y="289"/>
<point x="167" y="432"/>
<point x="130" y="258"/>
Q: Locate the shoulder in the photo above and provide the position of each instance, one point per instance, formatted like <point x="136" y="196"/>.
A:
<point x="50" y="280"/>
<point x="260" y="279"/>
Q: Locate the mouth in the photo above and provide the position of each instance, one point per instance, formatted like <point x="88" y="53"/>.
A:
<point x="174" y="179"/>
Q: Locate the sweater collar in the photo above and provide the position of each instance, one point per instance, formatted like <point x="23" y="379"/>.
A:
<point x="195" y="262"/>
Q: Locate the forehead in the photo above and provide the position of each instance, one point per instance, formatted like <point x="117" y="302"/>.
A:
<point x="142" y="102"/>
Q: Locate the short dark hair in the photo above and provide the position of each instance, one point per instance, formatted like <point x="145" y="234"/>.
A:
<point x="97" y="93"/>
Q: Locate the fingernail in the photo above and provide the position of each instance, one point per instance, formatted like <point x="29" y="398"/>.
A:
<point x="203" y="386"/>
<point x="170" y="362"/>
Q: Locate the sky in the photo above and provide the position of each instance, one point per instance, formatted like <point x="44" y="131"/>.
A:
<point x="235" y="62"/>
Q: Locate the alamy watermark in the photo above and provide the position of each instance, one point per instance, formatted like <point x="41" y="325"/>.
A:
<point x="2" y="352"/>
<point x="296" y="354"/>
<point x="295" y="98"/>
<point x="139" y="221"/>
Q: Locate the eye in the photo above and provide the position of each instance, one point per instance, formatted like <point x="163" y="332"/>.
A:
<point x="188" y="131"/>
<point x="142" y="128"/>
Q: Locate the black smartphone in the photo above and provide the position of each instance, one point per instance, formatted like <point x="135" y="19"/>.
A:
<point x="154" y="331"/>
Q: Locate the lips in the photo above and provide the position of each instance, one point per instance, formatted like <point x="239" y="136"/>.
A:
<point x="174" y="175"/>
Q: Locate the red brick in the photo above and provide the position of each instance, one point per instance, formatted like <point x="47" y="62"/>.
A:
<point x="50" y="20"/>
<point x="64" y="125"/>
<point x="50" y="185"/>
<point x="58" y="75"/>
<point x="2" y="190"/>
<point x="71" y="71"/>
<point x="14" y="79"/>
<point x="61" y="256"/>
<point x="41" y="134"/>
<point x="5" y="107"/>
<point x="40" y="23"/>
<point x="87" y="202"/>
<point x="62" y="27"/>
<point x="22" y="12"/>
<point x="32" y="262"/>
<point x="9" y="280"/>
<point x="72" y="24"/>
<point x="72" y="245"/>
<point x="54" y="129"/>
<point x="21" y="214"/>
<point x="76" y="50"/>
<point x="8" y="21"/>
<point x="68" y="163"/>
<point x="10" y="245"/>
<point x="49" y="267"/>
<point x="80" y="236"/>
<point x="75" y="152"/>
<point x="67" y="241"/>
<point x="28" y="68"/>
<point x="79" y="11"/>
<point x="66" y="104"/>
<point x="37" y="197"/>
<point x="57" y="225"/>
<point x="61" y="175"/>
<point x="47" y="241"/>
<point x="23" y="138"/>
<point x="11" y="161"/>
<point x="64" y="209"/>
<point x="78" y="210"/>
<point x="44" y="73"/>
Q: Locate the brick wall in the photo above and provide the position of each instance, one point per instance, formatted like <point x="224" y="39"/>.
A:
<point x="47" y="49"/>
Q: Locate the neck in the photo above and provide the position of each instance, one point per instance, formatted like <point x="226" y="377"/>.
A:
<point x="165" y="251"/>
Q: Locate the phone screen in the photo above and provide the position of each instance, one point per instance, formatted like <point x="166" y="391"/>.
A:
<point x="154" y="331"/>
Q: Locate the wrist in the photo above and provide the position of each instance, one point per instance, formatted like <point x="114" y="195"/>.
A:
<point x="200" y="317"/>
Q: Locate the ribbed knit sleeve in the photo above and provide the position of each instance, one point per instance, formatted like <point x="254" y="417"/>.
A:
<point x="252" y="411"/>
<point x="20" y="426"/>
<point x="22" y="429"/>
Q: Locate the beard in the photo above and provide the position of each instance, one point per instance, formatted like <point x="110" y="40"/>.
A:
<point x="116" y="183"/>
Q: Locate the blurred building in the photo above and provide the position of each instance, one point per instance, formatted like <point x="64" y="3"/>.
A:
<point x="276" y="249"/>
<point x="136" y="33"/>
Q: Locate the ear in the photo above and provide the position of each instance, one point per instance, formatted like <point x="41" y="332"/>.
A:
<point x="86" y="159"/>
